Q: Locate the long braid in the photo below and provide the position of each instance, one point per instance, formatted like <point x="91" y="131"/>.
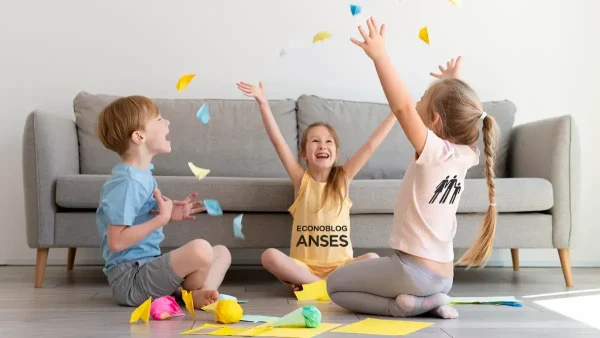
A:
<point x="482" y="248"/>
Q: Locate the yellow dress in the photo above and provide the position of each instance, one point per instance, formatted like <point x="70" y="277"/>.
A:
<point x="320" y="238"/>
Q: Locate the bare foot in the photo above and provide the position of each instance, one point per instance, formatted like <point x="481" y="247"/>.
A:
<point x="446" y="312"/>
<point x="296" y="287"/>
<point x="409" y="305"/>
<point x="204" y="297"/>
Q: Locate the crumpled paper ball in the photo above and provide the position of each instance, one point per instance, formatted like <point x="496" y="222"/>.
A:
<point x="164" y="307"/>
<point x="228" y="311"/>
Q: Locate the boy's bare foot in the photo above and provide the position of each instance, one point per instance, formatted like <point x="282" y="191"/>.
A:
<point x="296" y="287"/>
<point x="204" y="297"/>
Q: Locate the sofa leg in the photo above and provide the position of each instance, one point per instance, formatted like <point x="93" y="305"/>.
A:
<point x="71" y="258"/>
<point x="514" y="253"/>
<point x="565" y="262"/>
<point x="40" y="266"/>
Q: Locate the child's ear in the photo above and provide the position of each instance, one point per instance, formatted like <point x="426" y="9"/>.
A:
<point x="137" y="137"/>
<point x="435" y="119"/>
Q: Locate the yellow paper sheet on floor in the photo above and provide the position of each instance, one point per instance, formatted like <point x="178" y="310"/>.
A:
<point x="199" y="328"/>
<point x="298" y="332"/>
<point x="227" y="331"/>
<point x="189" y="301"/>
<point x="313" y="291"/>
<point x="142" y="312"/>
<point x="383" y="327"/>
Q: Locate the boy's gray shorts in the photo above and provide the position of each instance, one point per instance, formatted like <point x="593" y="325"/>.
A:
<point x="133" y="283"/>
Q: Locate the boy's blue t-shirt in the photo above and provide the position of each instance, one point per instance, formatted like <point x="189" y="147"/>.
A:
<point x="126" y="199"/>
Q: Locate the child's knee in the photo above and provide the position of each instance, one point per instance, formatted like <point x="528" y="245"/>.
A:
<point x="201" y="252"/>
<point x="222" y="252"/>
<point x="371" y="255"/>
<point x="269" y="257"/>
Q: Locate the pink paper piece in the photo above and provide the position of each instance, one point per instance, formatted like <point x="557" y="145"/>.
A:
<point x="165" y="307"/>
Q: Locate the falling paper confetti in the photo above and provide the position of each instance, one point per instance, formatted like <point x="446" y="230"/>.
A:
<point x="355" y="9"/>
<point x="282" y="53"/>
<point x="198" y="172"/>
<point x="151" y="167"/>
<point x="184" y="81"/>
<point x="203" y="114"/>
<point x="237" y="227"/>
<point x="321" y="36"/>
<point x="424" y="35"/>
<point x="213" y="208"/>
<point x="455" y="3"/>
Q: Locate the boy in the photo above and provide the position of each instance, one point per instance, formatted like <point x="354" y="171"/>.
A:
<point x="132" y="212"/>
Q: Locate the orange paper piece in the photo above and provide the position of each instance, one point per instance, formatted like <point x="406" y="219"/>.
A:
<point x="142" y="312"/>
<point x="424" y="34"/>
<point x="313" y="291"/>
<point x="184" y="81"/>
<point x="189" y="301"/>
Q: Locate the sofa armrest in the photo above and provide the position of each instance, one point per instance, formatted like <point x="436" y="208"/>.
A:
<point x="50" y="149"/>
<point x="549" y="149"/>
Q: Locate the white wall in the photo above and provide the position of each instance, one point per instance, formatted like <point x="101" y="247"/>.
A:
<point x="50" y="50"/>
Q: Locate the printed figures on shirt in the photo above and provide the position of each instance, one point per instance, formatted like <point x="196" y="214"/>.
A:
<point x="447" y="184"/>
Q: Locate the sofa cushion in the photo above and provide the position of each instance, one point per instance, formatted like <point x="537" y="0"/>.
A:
<point x="234" y="142"/>
<point x="355" y="121"/>
<point x="276" y="195"/>
<point x="261" y="231"/>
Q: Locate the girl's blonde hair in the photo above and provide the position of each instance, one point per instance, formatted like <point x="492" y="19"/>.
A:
<point x="335" y="188"/>
<point x="460" y="109"/>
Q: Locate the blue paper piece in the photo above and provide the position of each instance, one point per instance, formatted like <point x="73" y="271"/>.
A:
<point x="237" y="227"/>
<point x="213" y="208"/>
<point x="258" y="319"/>
<point x="203" y="114"/>
<point x="223" y="296"/>
<point x="151" y="167"/>
<point x="355" y="9"/>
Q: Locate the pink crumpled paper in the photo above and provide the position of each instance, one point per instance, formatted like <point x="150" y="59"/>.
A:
<point x="165" y="307"/>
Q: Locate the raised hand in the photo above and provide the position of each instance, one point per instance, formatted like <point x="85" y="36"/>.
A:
<point x="250" y="90"/>
<point x="181" y="210"/>
<point x="374" y="44"/>
<point x="452" y="70"/>
<point x="165" y="206"/>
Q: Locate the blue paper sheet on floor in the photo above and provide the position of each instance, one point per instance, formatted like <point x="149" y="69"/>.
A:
<point x="502" y="300"/>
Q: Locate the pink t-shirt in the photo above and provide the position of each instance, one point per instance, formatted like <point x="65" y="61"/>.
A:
<point x="425" y="209"/>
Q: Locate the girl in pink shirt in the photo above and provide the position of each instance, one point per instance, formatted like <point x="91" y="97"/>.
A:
<point x="443" y="127"/>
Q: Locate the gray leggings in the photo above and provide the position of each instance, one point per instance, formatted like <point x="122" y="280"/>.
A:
<point x="371" y="285"/>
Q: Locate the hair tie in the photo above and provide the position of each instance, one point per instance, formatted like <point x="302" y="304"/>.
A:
<point x="494" y="204"/>
<point x="483" y="115"/>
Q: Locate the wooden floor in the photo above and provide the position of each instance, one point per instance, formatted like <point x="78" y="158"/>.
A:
<point x="78" y="304"/>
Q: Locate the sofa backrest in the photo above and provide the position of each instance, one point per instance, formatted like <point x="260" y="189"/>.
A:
<point x="355" y="121"/>
<point x="232" y="144"/>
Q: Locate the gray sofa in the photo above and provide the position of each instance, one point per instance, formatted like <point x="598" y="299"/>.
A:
<point x="65" y="166"/>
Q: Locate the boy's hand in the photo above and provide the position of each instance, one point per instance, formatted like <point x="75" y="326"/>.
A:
<point x="374" y="44"/>
<point x="165" y="206"/>
<point x="183" y="209"/>
<point x="258" y="93"/>
<point x="452" y="70"/>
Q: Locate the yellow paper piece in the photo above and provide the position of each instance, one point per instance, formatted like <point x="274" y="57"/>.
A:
<point x="184" y="81"/>
<point x="198" y="172"/>
<point x="254" y="330"/>
<point x="189" y="301"/>
<point x="199" y="328"/>
<point x="424" y="34"/>
<point x="227" y="331"/>
<point x="313" y="291"/>
<point x="455" y="3"/>
<point x="321" y="36"/>
<point x="298" y="332"/>
<point x="383" y="327"/>
<point x="142" y="312"/>
<point x="211" y="308"/>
